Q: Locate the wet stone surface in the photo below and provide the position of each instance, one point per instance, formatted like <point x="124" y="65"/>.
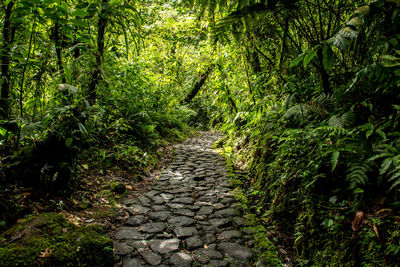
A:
<point x="188" y="218"/>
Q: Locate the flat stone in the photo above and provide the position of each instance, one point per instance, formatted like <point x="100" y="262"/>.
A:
<point x="209" y="253"/>
<point x="184" y="200"/>
<point x="227" y="200"/>
<point x="164" y="246"/>
<point x="181" y="221"/>
<point x="167" y="196"/>
<point x="229" y="212"/>
<point x="239" y="221"/>
<point x="185" y="231"/>
<point x="216" y="263"/>
<point x="122" y="249"/>
<point x="219" y="222"/>
<point x="181" y="259"/>
<point x="206" y="210"/>
<point x="132" y="262"/>
<point x="176" y="205"/>
<point x="184" y="212"/>
<point x="235" y="250"/>
<point x="137" y="243"/>
<point x="158" y="200"/>
<point x="159" y="207"/>
<point x="219" y="206"/>
<point x="137" y="209"/>
<point x="229" y="235"/>
<point x="126" y="232"/>
<point x="210" y="238"/>
<point x="159" y="215"/>
<point x="151" y="257"/>
<point x="152" y="227"/>
<point x="144" y="200"/>
<point x="193" y="242"/>
<point x="152" y="193"/>
<point x="136" y="220"/>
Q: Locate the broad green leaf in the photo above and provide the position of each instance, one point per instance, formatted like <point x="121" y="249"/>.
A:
<point x="327" y="58"/>
<point x="79" y="23"/>
<point x="297" y="60"/>
<point x="309" y="56"/>
<point x="68" y="142"/>
<point x="79" y="13"/>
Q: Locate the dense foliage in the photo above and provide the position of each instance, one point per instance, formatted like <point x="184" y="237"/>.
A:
<point x="307" y="93"/>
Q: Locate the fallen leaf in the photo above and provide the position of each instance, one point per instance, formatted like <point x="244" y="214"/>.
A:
<point x="357" y="221"/>
<point x="85" y="166"/>
<point x="129" y="187"/>
<point x="376" y="230"/>
<point x="46" y="253"/>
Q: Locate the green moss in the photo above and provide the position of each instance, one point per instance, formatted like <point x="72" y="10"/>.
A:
<point x="49" y="240"/>
<point x="266" y="251"/>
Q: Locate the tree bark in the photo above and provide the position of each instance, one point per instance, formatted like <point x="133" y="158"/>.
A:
<point x="5" y="64"/>
<point x="200" y="82"/>
<point x="96" y="75"/>
<point x="58" y="51"/>
<point x="324" y="75"/>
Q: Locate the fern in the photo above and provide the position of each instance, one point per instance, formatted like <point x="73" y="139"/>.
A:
<point x="345" y="120"/>
<point x="357" y="174"/>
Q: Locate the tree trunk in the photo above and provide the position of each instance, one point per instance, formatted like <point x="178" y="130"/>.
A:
<point x="5" y="64"/>
<point x="200" y="82"/>
<point x="323" y="73"/>
<point x="58" y="51"/>
<point x="96" y="75"/>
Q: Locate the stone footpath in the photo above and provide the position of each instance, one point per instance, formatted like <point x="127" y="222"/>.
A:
<point x="189" y="218"/>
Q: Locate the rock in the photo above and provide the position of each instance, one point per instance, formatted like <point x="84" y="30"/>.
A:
<point x="226" y="213"/>
<point x="128" y="233"/>
<point x="181" y="221"/>
<point x="218" y="223"/>
<point x="239" y="221"/>
<point x="235" y="250"/>
<point x="167" y="196"/>
<point x="229" y="235"/>
<point x="158" y="200"/>
<point x="122" y="249"/>
<point x="159" y="207"/>
<point x="183" y="200"/>
<point x="137" y="243"/>
<point x="136" y="220"/>
<point x="185" y="231"/>
<point x="206" y="210"/>
<point x="152" y="227"/>
<point x="159" y="215"/>
<point x="210" y="238"/>
<point x="219" y="206"/>
<point x="131" y="262"/>
<point x="137" y="209"/>
<point x="164" y="246"/>
<point x="152" y="193"/>
<point x="216" y="263"/>
<point x="209" y="253"/>
<point x="184" y="212"/>
<point x="151" y="257"/>
<point x="176" y="205"/>
<point x="193" y="242"/>
<point x="180" y="259"/>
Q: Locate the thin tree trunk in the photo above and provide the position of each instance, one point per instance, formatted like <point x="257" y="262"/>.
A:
<point x="323" y="73"/>
<point x="96" y="75"/>
<point x="58" y="51"/>
<point x="200" y="82"/>
<point x="5" y="64"/>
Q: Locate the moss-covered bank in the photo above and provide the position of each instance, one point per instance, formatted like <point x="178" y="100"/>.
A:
<point x="49" y="240"/>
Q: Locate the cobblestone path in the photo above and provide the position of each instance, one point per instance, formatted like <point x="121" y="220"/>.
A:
<point x="189" y="218"/>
